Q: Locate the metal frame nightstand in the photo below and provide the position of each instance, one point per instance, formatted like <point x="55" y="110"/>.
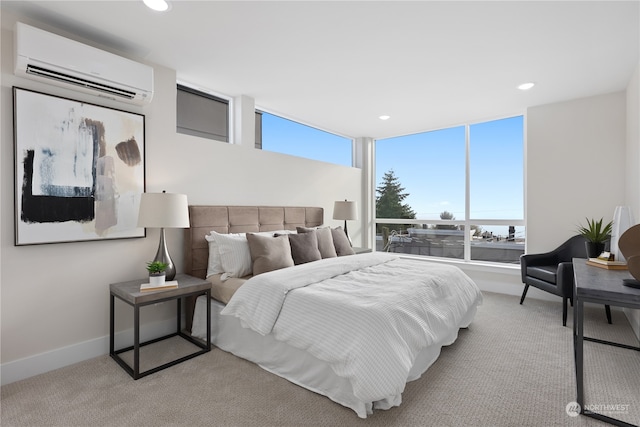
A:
<point x="129" y="292"/>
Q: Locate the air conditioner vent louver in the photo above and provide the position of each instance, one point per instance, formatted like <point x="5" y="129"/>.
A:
<point x="56" y="60"/>
<point x="43" y="72"/>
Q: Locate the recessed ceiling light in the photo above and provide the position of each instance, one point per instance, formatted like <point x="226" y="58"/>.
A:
<point x="157" y="5"/>
<point x="526" y="86"/>
<point x="384" y="117"/>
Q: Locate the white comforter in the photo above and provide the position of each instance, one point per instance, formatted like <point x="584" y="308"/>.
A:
<point x="368" y="315"/>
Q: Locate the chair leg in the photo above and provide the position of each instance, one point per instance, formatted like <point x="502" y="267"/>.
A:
<point x="524" y="293"/>
<point x="607" y="309"/>
<point x="564" y="311"/>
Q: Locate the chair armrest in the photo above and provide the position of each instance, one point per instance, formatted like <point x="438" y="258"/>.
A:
<point x="565" y="278"/>
<point x="536" y="260"/>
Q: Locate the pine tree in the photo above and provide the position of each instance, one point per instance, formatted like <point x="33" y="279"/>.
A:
<point x="446" y="215"/>
<point x="389" y="200"/>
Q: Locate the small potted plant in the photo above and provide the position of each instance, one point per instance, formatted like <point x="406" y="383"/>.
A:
<point x="157" y="272"/>
<point x="596" y="235"/>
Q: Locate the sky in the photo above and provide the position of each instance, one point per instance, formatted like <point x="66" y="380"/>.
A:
<point x="430" y="165"/>
<point x="431" y="168"/>
<point x="289" y="137"/>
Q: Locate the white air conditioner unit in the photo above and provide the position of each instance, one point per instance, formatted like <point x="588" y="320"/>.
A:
<point x="48" y="57"/>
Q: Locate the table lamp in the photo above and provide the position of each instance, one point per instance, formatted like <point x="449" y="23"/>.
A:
<point x="164" y="210"/>
<point x="346" y="210"/>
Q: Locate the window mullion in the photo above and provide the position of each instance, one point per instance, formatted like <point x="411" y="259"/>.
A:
<point x="467" y="195"/>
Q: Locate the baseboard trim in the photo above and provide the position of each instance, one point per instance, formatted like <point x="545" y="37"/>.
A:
<point x="59" y="358"/>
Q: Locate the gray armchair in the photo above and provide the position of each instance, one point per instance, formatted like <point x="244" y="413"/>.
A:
<point x="553" y="272"/>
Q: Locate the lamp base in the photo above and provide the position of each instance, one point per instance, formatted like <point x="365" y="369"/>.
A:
<point x="345" y="232"/>
<point x="163" y="256"/>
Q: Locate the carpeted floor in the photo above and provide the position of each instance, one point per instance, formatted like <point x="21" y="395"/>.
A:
<point x="512" y="367"/>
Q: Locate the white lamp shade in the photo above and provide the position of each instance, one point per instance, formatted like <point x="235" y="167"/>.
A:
<point x="163" y="210"/>
<point x="345" y="210"/>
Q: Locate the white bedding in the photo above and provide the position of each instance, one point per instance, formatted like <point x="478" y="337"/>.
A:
<point x="367" y="317"/>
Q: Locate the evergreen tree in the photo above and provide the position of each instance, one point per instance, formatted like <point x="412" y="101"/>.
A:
<point x="389" y="200"/>
<point x="446" y="215"/>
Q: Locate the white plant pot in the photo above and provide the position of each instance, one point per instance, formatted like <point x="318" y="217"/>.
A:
<point x="157" y="280"/>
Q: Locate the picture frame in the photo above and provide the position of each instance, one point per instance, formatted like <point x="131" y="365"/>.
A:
<point x="79" y="170"/>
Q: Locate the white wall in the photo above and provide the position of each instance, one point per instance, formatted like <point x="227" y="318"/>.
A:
<point x="55" y="299"/>
<point x="575" y="156"/>
<point x="632" y="188"/>
<point x="632" y="167"/>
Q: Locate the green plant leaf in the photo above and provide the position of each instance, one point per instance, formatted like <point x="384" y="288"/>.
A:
<point x="156" y="267"/>
<point x="594" y="231"/>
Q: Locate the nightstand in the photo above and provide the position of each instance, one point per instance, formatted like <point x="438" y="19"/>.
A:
<point x="360" y="250"/>
<point x="129" y="292"/>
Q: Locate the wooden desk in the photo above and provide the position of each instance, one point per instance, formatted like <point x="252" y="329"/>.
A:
<point x="601" y="286"/>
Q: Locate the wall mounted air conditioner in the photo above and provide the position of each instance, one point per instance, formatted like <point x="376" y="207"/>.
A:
<point x="50" y="58"/>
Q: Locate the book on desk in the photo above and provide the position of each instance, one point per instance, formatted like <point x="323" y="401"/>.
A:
<point x="145" y="287"/>
<point x="609" y="265"/>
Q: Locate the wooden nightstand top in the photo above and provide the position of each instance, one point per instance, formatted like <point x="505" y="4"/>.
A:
<point x="130" y="291"/>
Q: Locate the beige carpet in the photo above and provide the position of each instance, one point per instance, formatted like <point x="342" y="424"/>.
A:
<point x="512" y="367"/>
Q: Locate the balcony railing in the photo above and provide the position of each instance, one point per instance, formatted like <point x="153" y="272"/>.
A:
<point x="450" y="244"/>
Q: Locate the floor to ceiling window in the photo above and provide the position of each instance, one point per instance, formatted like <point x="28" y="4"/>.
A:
<point x="454" y="193"/>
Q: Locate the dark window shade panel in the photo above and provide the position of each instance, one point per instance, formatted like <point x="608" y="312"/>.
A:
<point x="258" y="143"/>
<point x="202" y="115"/>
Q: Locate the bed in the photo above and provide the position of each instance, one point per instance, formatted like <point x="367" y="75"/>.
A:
<point x="354" y="328"/>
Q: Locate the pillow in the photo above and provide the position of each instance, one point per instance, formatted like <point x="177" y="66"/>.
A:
<point x="325" y="240"/>
<point x="214" y="266"/>
<point x="269" y="253"/>
<point x="304" y="247"/>
<point x="341" y="242"/>
<point x="223" y="291"/>
<point x="235" y="258"/>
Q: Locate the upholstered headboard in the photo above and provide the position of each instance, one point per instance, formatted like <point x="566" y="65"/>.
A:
<point x="239" y="219"/>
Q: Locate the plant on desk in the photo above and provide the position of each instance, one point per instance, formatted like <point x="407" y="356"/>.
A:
<point x="157" y="272"/>
<point x="596" y="236"/>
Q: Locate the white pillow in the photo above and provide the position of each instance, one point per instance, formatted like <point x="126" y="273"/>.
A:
<point x="215" y="265"/>
<point x="235" y="258"/>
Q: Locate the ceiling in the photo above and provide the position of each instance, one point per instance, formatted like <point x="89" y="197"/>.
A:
<point x="339" y="65"/>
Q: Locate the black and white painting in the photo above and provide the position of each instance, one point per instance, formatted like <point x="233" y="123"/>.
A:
<point x="79" y="170"/>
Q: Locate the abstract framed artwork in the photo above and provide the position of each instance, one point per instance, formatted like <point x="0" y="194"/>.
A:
<point x="79" y="170"/>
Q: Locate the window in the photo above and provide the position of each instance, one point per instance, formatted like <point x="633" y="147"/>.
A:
<point x="286" y="136"/>
<point x="453" y="193"/>
<point x="201" y="114"/>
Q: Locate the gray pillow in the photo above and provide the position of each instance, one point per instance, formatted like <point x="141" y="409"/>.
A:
<point x="341" y="242"/>
<point x="269" y="253"/>
<point x="304" y="247"/>
<point x="325" y="240"/>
